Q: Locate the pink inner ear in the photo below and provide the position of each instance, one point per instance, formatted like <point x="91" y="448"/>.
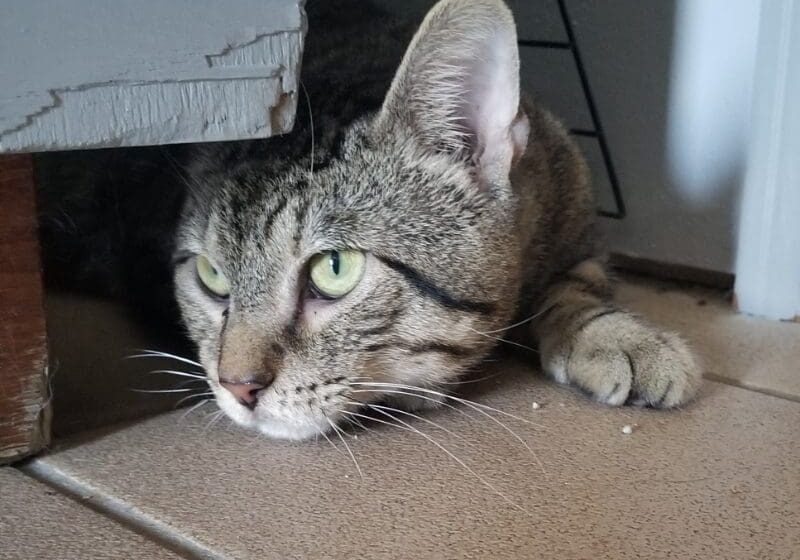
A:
<point x="459" y="86"/>
<point x="492" y="85"/>
<point x="491" y="103"/>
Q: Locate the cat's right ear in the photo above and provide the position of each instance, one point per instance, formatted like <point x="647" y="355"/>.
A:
<point x="457" y="89"/>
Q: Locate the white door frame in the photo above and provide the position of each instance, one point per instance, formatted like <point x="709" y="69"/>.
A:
<point x="768" y="251"/>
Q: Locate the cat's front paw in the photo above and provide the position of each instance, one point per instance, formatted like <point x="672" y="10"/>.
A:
<point x="617" y="358"/>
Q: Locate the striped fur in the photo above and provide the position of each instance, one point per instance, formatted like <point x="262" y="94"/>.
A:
<point x="463" y="237"/>
<point x="473" y="207"/>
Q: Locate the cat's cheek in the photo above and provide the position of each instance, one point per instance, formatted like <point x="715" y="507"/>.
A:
<point x="317" y="312"/>
<point x="207" y="352"/>
<point x="398" y="367"/>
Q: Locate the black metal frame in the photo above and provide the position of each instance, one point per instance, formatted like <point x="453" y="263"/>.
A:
<point x="572" y="45"/>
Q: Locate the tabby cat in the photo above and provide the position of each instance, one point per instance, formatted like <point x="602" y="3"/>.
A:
<point x="420" y="208"/>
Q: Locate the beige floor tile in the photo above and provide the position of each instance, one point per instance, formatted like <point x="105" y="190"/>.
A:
<point x="752" y="352"/>
<point x="38" y="523"/>
<point x="720" y="479"/>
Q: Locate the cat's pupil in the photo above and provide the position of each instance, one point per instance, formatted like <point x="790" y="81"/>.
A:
<point x="335" y="262"/>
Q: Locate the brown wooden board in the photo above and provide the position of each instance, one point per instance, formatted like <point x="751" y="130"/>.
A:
<point x="24" y="402"/>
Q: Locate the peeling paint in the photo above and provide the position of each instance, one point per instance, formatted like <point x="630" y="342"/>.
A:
<point x="282" y="49"/>
<point x="30" y="118"/>
<point x="281" y="116"/>
<point x="230" y="105"/>
<point x="184" y="76"/>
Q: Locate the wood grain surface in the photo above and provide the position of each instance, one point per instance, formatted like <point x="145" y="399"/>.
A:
<point x="24" y="403"/>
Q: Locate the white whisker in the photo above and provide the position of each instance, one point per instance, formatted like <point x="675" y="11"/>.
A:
<point x="215" y="418"/>
<point x="359" y="423"/>
<point x="177" y="168"/>
<point x="371" y="419"/>
<point x="467" y="381"/>
<point x="193" y="408"/>
<point x="455" y="458"/>
<point x="517" y="324"/>
<point x="311" y="124"/>
<point x="145" y="353"/>
<point x="323" y="434"/>
<point x="194" y="374"/>
<point x="163" y="390"/>
<point x="203" y="382"/>
<point x="500" y="339"/>
<point x="186" y="398"/>
<point x="347" y="447"/>
<point x="419" y="418"/>
<point x="356" y="421"/>
<point x="473" y="406"/>
<point x="466" y="402"/>
<point x="416" y="395"/>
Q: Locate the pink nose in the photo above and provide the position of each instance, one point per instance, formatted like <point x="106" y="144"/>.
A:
<point x="245" y="392"/>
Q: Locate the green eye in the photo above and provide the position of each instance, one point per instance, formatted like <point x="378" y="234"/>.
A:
<point x="335" y="273"/>
<point x="212" y="278"/>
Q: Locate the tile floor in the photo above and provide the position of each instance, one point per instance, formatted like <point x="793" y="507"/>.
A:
<point x="719" y="479"/>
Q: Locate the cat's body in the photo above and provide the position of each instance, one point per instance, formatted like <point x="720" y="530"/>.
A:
<point x="466" y="211"/>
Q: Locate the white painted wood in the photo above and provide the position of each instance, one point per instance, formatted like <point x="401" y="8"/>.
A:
<point x="768" y="259"/>
<point x="97" y="73"/>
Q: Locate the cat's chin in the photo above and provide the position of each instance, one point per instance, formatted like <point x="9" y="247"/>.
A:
<point x="289" y="425"/>
<point x="281" y="429"/>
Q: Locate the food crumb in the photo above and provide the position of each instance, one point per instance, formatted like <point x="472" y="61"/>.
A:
<point x="536" y="405"/>
<point x="627" y="429"/>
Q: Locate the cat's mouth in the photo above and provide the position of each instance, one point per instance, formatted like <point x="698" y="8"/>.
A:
<point x="305" y="413"/>
<point x="295" y="415"/>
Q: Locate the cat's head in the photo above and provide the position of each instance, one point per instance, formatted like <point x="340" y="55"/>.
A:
<point x="309" y="293"/>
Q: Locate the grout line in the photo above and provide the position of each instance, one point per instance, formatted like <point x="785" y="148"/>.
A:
<point x="747" y="387"/>
<point x="118" y="510"/>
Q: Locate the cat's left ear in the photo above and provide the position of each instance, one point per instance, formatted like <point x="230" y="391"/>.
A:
<point x="457" y="89"/>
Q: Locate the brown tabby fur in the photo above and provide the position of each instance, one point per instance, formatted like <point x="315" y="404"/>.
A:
<point x="473" y="208"/>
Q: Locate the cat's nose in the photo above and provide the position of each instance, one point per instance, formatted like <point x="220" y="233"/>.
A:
<point x="246" y="392"/>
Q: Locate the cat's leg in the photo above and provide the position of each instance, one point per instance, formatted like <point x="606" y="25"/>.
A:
<point x="587" y="341"/>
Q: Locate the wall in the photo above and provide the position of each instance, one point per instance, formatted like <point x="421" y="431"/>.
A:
<point x="673" y="84"/>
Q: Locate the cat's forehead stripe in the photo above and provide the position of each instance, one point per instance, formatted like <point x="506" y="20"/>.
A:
<point x="299" y="218"/>
<point x="430" y="290"/>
